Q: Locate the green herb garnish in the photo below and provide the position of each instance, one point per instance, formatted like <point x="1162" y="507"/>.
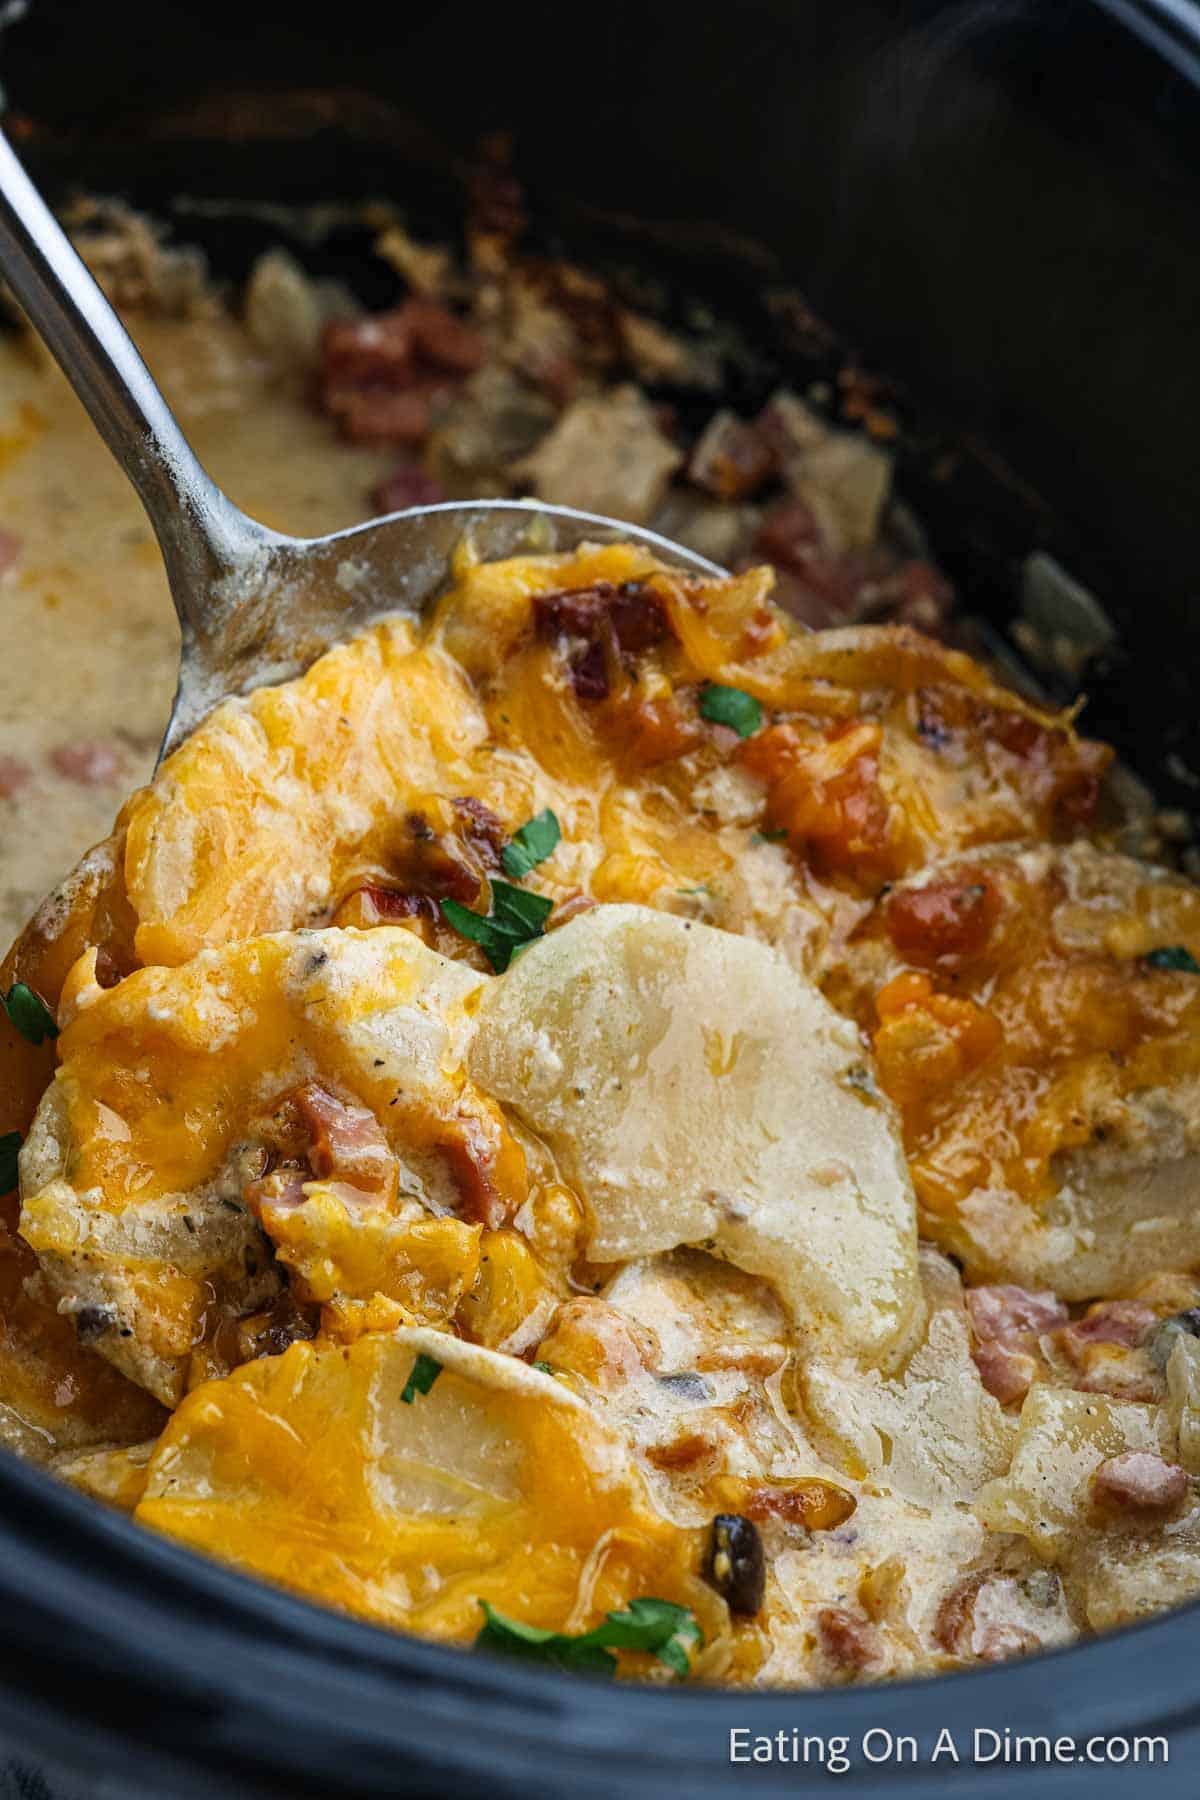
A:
<point x="10" y="1143"/>
<point x="1175" y="956"/>
<point x="421" y="1377"/>
<point x="516" y="918"/>
<point x="546" y="1368"/>
<point x="531" y="845"/>
<point x="660" y="1627"/>
<point x="28" y="1013"/>
<point x="730" y="706"/>
<point x="769" y="837"/>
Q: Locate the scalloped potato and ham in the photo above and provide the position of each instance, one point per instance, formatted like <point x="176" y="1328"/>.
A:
<point x="504" y="1079"/>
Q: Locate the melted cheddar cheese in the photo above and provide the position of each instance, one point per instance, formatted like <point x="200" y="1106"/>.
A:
<point x="625" y="1149"/>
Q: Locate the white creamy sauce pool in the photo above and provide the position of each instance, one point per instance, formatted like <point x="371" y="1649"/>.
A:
<point x="89" y="643"/>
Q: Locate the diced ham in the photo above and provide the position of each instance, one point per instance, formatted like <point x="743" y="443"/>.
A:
<point x="442" y="339"/>
<point x="371" y="904"/>
<point x="589" y="673"/>
<point x="1108" y="1322"/>
<point x="375" y="415"/>
<point x="346" y="1141"/>
<point x="387" y="348"/>
<point x="632" y="612"/>
<point x="392" y="907"/>
<point x="14" y="774"/>
<point x="482" y="830"/>
<point x="1006" y="1372"/>
<point x="409" y="485"/>
<point x="825" y="793"/>
<point x="961" y="1630"/>
<point x="943" y="922"/>
<point x="1007" y="1321"/>
<point x="92" y="761"/>
<point x="382" y="376"/>
<point x="850" y="1642"/>
<point x="1103" y="1348"/>
<point x="375" y="350"/>
<point x="605" y="623"/>
<point x="1140" y="1484"/>
<point x="1006" y="1312"/>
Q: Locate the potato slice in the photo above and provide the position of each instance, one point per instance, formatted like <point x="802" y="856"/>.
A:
<point x="930" y="1433"/>
<point x="497" y="1484"/>
<point x="114" y="1473"/>
<point x="1120" y="1586"/>
<point x="131" y="1179"/>
<point x="697" y="1090"/>
<point x="1064" y="1436"/>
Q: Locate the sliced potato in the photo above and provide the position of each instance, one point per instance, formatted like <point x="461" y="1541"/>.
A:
<point x="114" y="1473"/>
<point x="131" y="1180"/>
<point x="1064" y="1436"/>
<point x="497" y="1484"/>
<point x="697" y="1090"/>
<point x="1119" y="1588"/>
<point x="931" y="1432"/>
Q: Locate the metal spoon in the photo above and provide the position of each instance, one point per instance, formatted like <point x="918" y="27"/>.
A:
<point x="254" y="605"/>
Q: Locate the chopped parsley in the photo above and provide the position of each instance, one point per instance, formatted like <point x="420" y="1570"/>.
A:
<point x="660" y="1627"/>
<point x="769" y="837"/>
<point x="10" y="1143"/>
<point x="546" y="1368"/>
<point x="731" y="706"/>
<point x="421" y="1377"/>
<point x="516" y="918"/>
<point x="531" y="845"/>
<point x="28" y="1013"/>
<point x="1175" y="956"/>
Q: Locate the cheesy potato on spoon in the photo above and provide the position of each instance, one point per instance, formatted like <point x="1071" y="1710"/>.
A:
<point x="502" y="1079"/>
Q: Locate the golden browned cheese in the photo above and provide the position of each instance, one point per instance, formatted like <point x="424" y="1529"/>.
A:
<point x="888" y="825"/>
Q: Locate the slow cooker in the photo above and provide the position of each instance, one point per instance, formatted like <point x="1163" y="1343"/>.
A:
<point x="995" y="201"/>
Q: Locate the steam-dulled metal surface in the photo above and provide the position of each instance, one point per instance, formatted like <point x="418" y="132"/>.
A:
<point x="998" y="202"/>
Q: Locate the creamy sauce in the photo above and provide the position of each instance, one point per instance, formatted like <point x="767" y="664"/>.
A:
<point x="89" y="642"/>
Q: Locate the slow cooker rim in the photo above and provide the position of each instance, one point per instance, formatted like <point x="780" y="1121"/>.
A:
<point x="179" y="1624"/>
<point x="1169" y="27"/>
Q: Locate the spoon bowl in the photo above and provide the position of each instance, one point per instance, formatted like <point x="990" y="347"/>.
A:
<point x="279" y="602"/>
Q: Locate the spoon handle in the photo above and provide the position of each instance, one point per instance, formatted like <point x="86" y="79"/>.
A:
<point x="203" y="536"/>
